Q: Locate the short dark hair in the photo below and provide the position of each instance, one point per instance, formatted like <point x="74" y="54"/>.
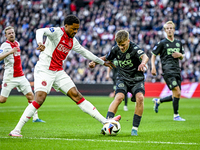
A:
<point x="70" y="19"/>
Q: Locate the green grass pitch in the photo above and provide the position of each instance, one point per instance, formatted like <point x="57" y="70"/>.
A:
<point x="68" y="128"/>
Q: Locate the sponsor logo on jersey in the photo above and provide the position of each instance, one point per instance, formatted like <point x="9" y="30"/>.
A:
<point x="51" y="29"/>
<point x="62" y="48"/>
<point x="171" y="50"/>
<point x="139" y="51"/>
<point x="44" y="83"/>
<point x="17" y="54"/>
<point x="1" y="51"/>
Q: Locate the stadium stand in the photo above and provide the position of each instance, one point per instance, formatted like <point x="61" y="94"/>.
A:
<point x="100" y="19"/>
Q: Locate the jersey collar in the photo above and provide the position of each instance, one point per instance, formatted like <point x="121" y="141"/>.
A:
<point x="170" y="40"/>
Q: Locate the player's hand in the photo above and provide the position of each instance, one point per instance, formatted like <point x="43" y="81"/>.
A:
<point x="176" y="54"/>
<point x="92" y="64"/>
<point x="40" y="47"/>
<point x="142" y="67"/>
<point x="109" y="64"/>
<point x="153" y="71"/>
<point x="15" y="49"/>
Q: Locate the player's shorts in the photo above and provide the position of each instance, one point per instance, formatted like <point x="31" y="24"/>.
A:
<point x="21" y="83"/>
<point x="172" y="80"/>
<point x="45" y="79"/>
<point x="122" y="87"/>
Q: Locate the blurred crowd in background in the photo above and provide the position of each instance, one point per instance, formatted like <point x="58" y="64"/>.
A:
<point x="100" y="19"/>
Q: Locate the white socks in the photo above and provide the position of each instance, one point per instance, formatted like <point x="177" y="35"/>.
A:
<point x="88" y="108"/>
<point x="28" y="113"/>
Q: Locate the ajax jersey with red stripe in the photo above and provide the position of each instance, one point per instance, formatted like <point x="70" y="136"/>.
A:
<point x="57" y="47"/>
<point x="13" y="66"/>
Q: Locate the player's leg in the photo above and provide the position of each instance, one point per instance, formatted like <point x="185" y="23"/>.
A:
<point x="169" y="80"/>
<point x="176" y="94"/>
<point x="30" y="97"/>
<point x="138" y="92"/>
<point x="114" y="105"/>
<point x="121" y="91"/>
<point x="42" y="85"/>
<point x="25" y="88"/>
<point x="64" y="84"/>
<point x="3" y="99"/>
<point x="29" y="112"/>
<point x="138" y="112"/>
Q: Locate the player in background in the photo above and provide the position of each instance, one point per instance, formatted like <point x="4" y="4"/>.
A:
<point x="130" y="78"/>
<point x="114" y="75"/>
<point x="170" y="51"/>
<point x="49" y="71"/>
<point x="13" y="74"/>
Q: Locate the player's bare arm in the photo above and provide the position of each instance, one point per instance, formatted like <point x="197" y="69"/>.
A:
<point x="40" y="47"/>
<point x="177" y="55"/>
<point x="8" y="53"/>
<point x="143" y="66"/>
<point x="153" y="67"/>
<point x="109" y="64"/>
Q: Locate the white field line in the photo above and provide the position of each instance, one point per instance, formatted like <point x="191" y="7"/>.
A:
<point x="95" y="140"/>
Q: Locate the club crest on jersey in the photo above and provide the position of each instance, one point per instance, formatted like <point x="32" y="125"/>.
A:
<point x="5" y="85"/>
<point x="177" y="44"/>
<point x="127" y="56"/>
<point x="135" y="47"/>
<point x="51" y="29"/>
<point x="1" y="51"/>
<point x="44" y="83"/>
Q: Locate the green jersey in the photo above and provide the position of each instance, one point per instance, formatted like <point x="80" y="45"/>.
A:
<point x="128" y="63"/>
<point x="165" y="48"/>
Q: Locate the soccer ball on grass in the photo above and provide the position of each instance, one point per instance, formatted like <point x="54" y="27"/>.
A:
<point x="112" y="127"/>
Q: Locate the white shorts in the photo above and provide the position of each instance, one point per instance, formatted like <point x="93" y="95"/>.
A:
<point x="21" y="83"/>
<point x="45" y="79"/>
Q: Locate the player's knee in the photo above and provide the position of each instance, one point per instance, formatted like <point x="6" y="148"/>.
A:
<point x="139" y="98"/>
<point x="40" y="97"/>
<point x="30" y="96"/>
<point x="3" y="99"/>
<point x="119" y="97"/>
<point x="74" y="94"/>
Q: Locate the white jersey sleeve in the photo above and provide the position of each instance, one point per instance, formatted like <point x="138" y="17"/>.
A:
<point x="49" y="32"/>
<point x="84" y="52"/>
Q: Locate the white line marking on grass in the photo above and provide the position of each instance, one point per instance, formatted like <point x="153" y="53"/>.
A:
<point x="95" y="140"/>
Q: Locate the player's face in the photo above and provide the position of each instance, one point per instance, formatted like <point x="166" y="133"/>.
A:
<point x="71" y="30"/>
<point x="169" y="29"/>
<point x="10" y="35"/>
<point x="123" y="46"/>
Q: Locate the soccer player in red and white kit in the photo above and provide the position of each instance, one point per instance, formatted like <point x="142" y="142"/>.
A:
<point x="13" y="74"/>
<point x="49" y="71"/>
